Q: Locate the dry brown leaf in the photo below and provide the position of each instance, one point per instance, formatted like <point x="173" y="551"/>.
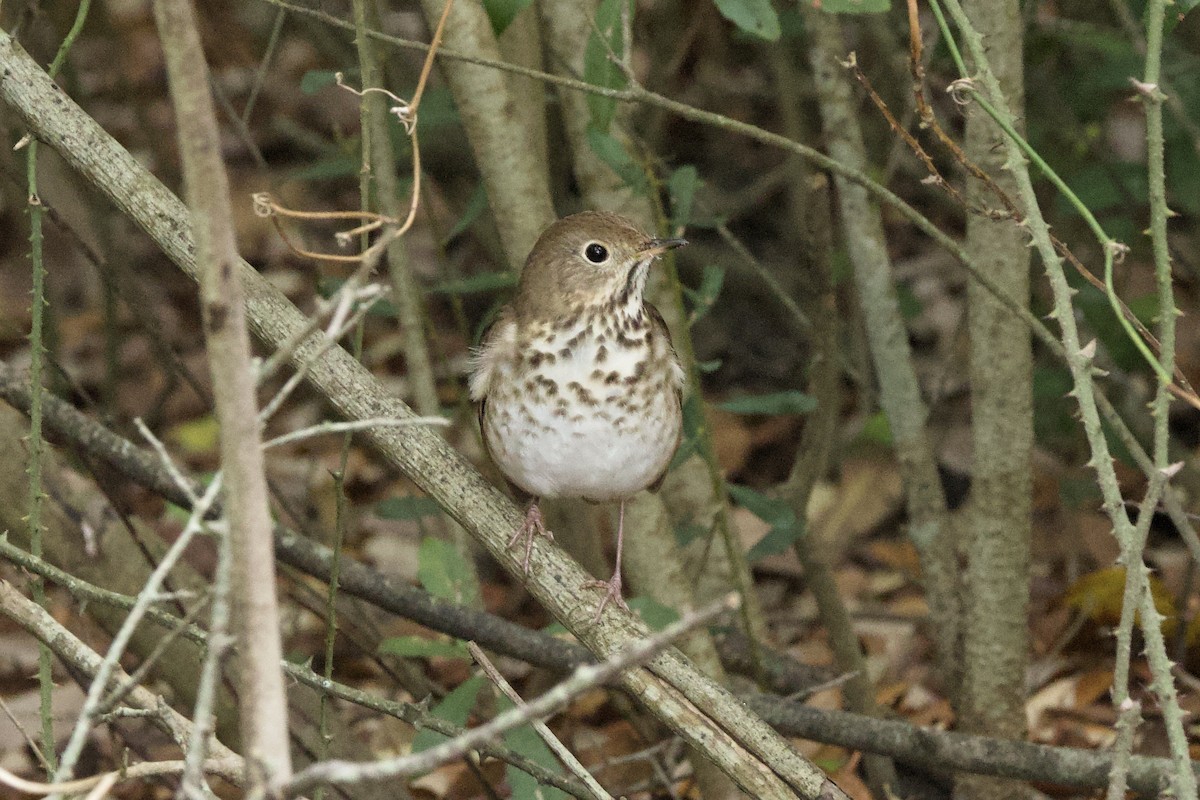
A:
<point x="1100" y="595"/>
<point x="869" y="492"/>
<point x="588" y="704"/>
<point x="909" y="604"/>
<point x="888" y="643"/>
<point x="899" y="554"/>
<point x="889" y="693"/>
<point x="1095" y="536"/>
<point x="731" y="438"/>
<point x="1092" y="685"/>
<point x="603" y="750"/>
<point x="922" y="707"/>
<point x="750" y="529"/>
<point x="1056" y="694"/>
<point x="456" y="781"/>
<point x="847" y="779"/>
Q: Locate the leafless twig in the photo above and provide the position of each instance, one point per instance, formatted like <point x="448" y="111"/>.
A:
<point x="582" y="679"/>
<point x="564" y="755"/>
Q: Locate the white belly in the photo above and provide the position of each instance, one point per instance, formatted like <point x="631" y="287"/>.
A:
<point x="550" y="445"/>
<point x="585" y="456"/>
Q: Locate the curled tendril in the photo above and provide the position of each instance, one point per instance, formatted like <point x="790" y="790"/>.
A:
<point x="960" y="90"/>
<point x="402" y="110"/>
<point x="263" y="205"/>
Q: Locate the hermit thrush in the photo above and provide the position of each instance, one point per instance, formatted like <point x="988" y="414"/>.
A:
<point x="577" y="382"/>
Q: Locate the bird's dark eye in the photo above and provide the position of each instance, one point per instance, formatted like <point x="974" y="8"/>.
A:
<point x="595" y="253"/>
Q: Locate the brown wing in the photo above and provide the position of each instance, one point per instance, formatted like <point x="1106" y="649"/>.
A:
<point x="658" y="327"/>
<point x="482" y="362"/>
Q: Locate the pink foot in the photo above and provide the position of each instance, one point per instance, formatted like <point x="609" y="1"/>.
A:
<point x="612" y="586"/>
<point x="530" y="527"/>
<point x="612" y="593"/>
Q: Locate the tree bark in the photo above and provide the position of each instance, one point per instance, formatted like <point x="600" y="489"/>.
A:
<point x="996" y="596"/>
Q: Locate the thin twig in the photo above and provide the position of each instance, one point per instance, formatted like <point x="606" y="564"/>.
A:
<point x="68" y="648"/>
<point x="564" y="755"/>
<point x="260" y="75"/>
<point x="582" y="679"/>
<point x="410" y="713"/>
<point x="110" y="665"/>
<point x="355" y="425"/>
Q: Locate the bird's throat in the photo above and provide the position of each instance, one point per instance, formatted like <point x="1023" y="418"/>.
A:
<point x="630" y="296"/>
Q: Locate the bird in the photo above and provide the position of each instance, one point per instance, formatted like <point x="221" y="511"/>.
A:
<point x="578" y="385"/>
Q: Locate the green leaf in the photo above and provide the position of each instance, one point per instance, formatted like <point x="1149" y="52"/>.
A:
<point x="791" y="23"/>
<point x="877" y="429"/>
<point x="556" y="629"/>
<point x="503" y="12"/>
<point x="475" y="207"/>
<point x="770" y="510"/>
<point x="486" y="321"/>
<point x="776" y="541"/>
<point x="598" y="66"/>
<point x="1145" y="308"/>
<point x="610" y="150"/>
<point x="317" y="79"/>
<point x="856" y="6"/>
<point x="1183" y="171"/>
<point x="709" y="367"/>
<point x="1079" y="492"/>
<point x="681" y="187"/>
<point x="437" y="111"/>
<point x="456" y="708"/>
<point x="686" y="450"/>
<point x="789" y="402"/>
<point x="785" y="527"/>
<point x="444" y="573"/>
<point x="1098" y="313"/>
<point x="910" y="304"/>
<point x="688" y="532"/>
<point x="653" y="613"/>
<point x="705" y="295"/>
<point x="526" y="741"/>
<point x="420" y="647"/>
<point x="1104" y="187"/>
<point x="1054" y="423"/>
<point x="693" y="425"/>
<point x="409" y="507"/>
<point x="1176" y="12"/>
<point x="331" y="167"/>
<point x="483" y="282"/>
<point x="756" y="17"/>
<point x="693" y="416"/>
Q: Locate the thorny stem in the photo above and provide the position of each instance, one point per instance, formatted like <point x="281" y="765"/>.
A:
<point x="1079" y="359"/>
<point x="38" y="305"/>
<point x="1113" y="250"/>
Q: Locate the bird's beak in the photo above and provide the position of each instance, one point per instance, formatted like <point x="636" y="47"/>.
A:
<point x="656" y="247"/>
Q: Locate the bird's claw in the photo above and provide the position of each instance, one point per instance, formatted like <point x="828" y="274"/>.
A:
<point x="612" y="594"/>
<point x="531" y="526"/>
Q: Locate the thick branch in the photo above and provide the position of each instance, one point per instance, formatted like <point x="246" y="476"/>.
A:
<point x="942" y="751"/>
<point x="261" y="697"/>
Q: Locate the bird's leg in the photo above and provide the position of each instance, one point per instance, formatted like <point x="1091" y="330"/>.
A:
<point x="530" y="527"/>
<point x="612" y="586"/>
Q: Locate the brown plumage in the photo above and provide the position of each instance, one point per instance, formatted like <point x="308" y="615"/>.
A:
<point x="577" y="381"/>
